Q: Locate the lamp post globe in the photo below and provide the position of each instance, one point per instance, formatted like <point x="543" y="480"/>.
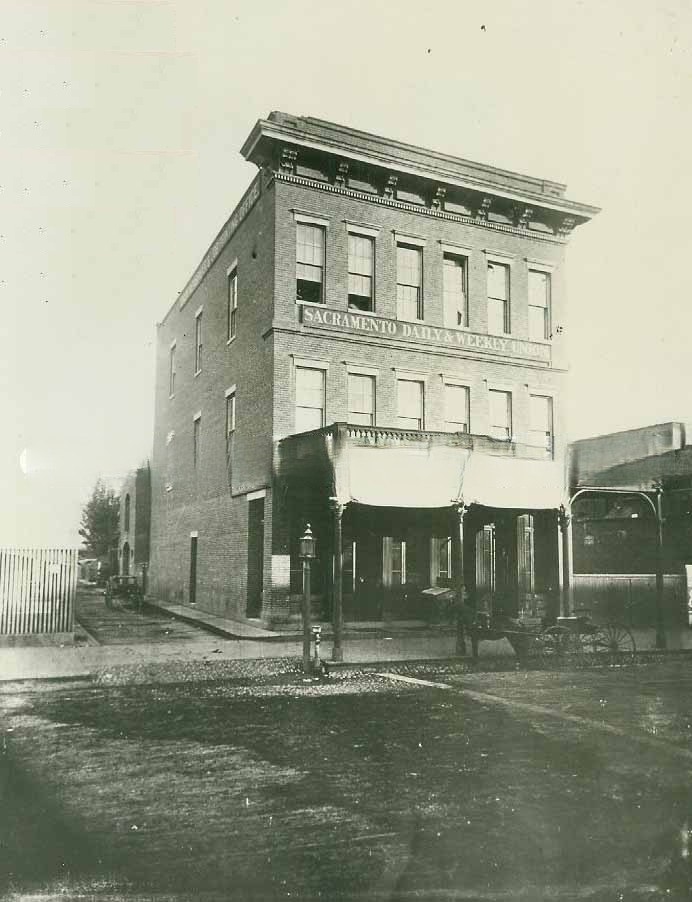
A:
<point x="307" y="544"/>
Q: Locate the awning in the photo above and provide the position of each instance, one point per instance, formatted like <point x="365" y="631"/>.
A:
<point x="438" y="476"/>
<point x="430" y="476"/>
<point x="514" y="482"/>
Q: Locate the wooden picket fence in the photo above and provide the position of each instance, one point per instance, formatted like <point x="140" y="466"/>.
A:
<point x="37" y="590"/>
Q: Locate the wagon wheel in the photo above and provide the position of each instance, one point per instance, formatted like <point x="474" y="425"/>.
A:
<point x="553" y="643"/>
<point x="612" y="639"/>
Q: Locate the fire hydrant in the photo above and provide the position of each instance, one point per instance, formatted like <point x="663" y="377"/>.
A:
<point x="317" y="636"/>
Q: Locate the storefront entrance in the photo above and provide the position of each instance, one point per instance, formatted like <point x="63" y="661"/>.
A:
<point x="392" y="555"/>
<point x="515" y="560"/>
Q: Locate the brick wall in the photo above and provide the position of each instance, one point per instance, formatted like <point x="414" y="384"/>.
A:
<point x="294" y="341"/>
<point x="209" y="498"/>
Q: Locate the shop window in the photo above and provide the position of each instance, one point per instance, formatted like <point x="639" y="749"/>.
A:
<point x="232" y="305"/>
<point x="454" y="291"/>
<point x="441" y="560"/>
<point x="541" y="412"/>
<point x="526" y="577"/>
<point x="410" y="404"/>
<point x="171" y="370"/>
<point x="498" y="299"/>
<point x="456" y="408"/>
<point x="539" y="305"/>
<point x="310" y="401"/>
<point x="393" y="561"/>
<point x="500" y="409"/>
<point x="198" y="343"/>
<point x="398" y="562"/>
<point x="310" y="263"/>
<point x="361" y="399"/>
<point x="361" y="273"/>
<point x="409" y="282"/>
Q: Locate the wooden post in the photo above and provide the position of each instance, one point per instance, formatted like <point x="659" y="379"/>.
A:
<point x="338" y="612"/>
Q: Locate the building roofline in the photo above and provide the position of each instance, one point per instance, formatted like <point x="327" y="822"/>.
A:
<point x="223" y="236"/>
<point x="680" y="425"/>
<point x="343" y="141"/>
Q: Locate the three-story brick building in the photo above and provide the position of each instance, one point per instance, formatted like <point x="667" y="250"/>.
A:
<point x="374" y="343"/>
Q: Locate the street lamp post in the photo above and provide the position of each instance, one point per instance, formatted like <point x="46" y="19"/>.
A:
<point x="307" y="555"/>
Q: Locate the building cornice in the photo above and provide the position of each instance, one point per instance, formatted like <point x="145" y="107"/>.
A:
<point x="341" y="142"/>
<point x="234" y="221"/>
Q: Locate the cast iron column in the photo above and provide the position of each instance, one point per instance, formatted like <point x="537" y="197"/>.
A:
<point x="564" y="520"/>
<point x="660" y="625"/>
<point x="338" y="610"/>
<point x="461" y="510"/>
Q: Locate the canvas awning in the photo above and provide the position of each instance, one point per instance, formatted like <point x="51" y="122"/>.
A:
<point x="402" y="477"/>
<point x="514" y="482"/>
<point x="438" y="476"/>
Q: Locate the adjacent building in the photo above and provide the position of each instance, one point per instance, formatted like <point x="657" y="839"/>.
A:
<point x="374" y="343"/>
<point x="134" y="525"/>
<point x="631" y="523"/>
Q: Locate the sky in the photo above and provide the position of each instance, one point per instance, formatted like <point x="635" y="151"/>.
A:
<point x="120" y="128"/>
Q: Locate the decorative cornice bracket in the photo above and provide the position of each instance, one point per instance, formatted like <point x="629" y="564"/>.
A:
<point x="341" y="178"/>
<point x="438" y="198"/>
<point x="522" y="216"/>
<point x="565" y="226"/>
<point x="483" y="208"/>
<point x="390" y="186"/>
<point x="287" y="163"/>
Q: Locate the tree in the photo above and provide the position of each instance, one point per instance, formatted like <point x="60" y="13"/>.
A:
<point x="100" y="521"/>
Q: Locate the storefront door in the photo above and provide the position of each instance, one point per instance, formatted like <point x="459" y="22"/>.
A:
<point x="362" y="578"/>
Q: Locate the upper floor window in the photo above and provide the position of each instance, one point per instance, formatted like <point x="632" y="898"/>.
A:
<point x="498" y="299"/>
<point x="500" y="404"/>
<point x="127" y="513"/>
<point x="410" y="404"/>
<point x="232" y="305"/>
<point x="539" y="305"/>
<point x="198" y="342"/>
<point x="409" y="282"/>
<point x="361" y="399"/>
<point x="310" y="263"/>
<point x="361" y="272"/>
<point x="171" y="370"/>
<point x="310" y="401"/>
<point x="196" y="437"/>
<point x="541" y="416"/>
<point x="230" y="417"/>
<point x="454" y="291"/>
<point x="456" y="407"/>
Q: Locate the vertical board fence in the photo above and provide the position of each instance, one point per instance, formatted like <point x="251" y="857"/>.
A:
<point x="630" y="597"/>
<point x="37" y="590"/>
